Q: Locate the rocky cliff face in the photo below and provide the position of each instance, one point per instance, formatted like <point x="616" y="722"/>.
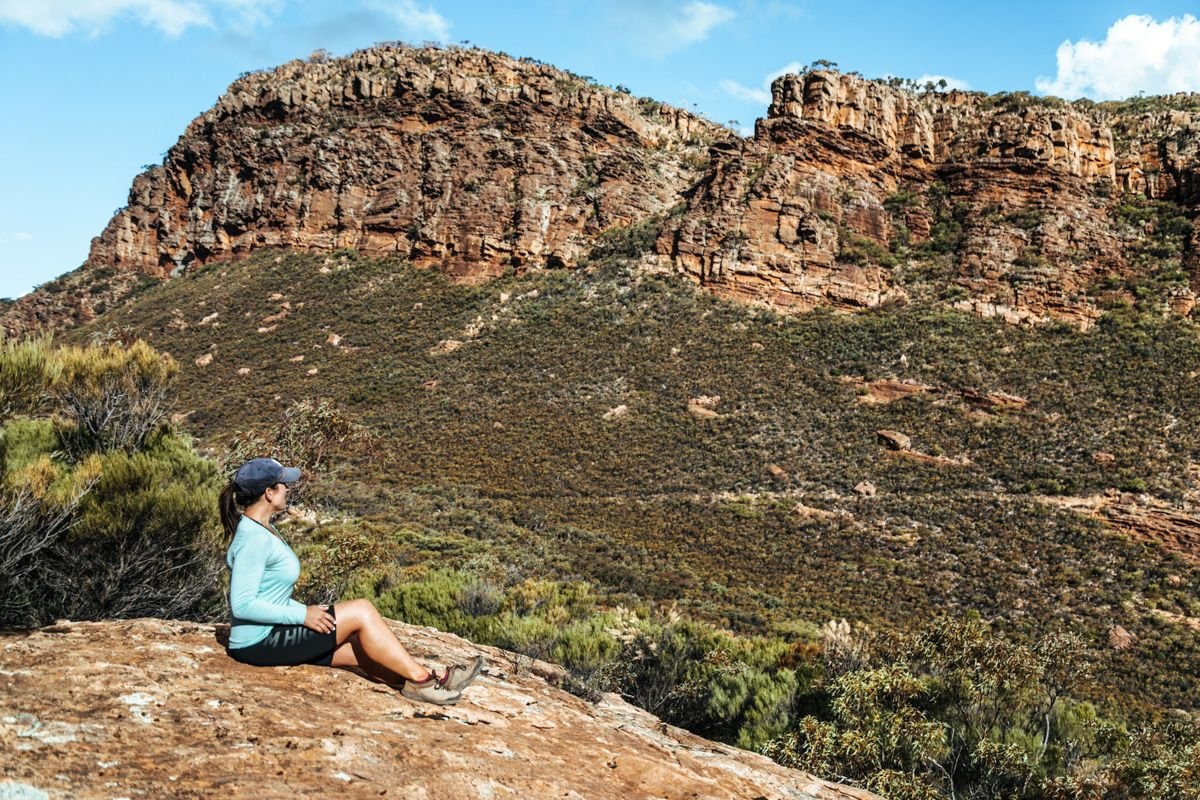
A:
<point x="458" y="159"/>
<point x="850" y="188"/>
<point x="850" y="193"/>
<point x="154" y="708"/>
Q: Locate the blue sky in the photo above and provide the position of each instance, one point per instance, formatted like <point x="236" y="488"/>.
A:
<point x="95" y="89"/>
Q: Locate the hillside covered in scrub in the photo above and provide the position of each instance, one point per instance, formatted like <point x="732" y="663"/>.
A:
<point x="628" y="430"/>
<point x="675" y="497"/>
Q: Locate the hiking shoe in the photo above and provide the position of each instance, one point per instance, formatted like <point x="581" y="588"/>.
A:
<point x="459" y="676"/>
<point x="432" y="690"/>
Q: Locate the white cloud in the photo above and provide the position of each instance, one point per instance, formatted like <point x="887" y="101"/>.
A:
<point x="657" y="29"/>
<point x="1138" y="54"/>
<point x="22" y="236"/>
<point x="697" y="19"/>
<point x="254" y="12"/>
<point x="735" y="89"/>
<point x="951" y="83"/>
<point x="417" y="22"/>
<point x="57" y="18"/>
<point x="761" y="95"/>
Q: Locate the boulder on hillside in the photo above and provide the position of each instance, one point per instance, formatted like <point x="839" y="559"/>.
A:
<point x="704" y="406"/>
<point x="894" y="440"/>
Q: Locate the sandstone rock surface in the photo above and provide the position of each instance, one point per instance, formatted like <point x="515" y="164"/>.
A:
<point x="154" y="708"/>
<point x="1142" y="518"/>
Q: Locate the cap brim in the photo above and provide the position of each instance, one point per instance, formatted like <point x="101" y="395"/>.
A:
<point x="290" y="475"/>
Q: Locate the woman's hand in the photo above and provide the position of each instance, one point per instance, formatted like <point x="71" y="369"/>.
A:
<point x="319" y="619"/>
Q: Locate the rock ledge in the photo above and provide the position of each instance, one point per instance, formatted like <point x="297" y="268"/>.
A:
<point x="150" y="708"/>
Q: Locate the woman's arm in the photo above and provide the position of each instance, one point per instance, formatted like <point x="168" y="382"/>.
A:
<point x="249" y="563"/>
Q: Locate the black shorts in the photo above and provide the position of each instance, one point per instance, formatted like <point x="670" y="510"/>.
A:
<point x="289" y="645"/>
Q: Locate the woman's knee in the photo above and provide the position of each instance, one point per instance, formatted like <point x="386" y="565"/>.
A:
<point x="356" y="612"/>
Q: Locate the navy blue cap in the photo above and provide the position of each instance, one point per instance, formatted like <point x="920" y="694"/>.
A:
<point x="259" y="474"/>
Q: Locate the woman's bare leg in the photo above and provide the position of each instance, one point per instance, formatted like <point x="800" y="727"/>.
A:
<point x="376" y="642"/>
<point x="350" y="654"/>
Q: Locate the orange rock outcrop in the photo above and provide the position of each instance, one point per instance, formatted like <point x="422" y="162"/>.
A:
<point x="155" y="708"/>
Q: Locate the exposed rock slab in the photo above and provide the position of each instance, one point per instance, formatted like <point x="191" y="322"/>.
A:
<point x="883" y="392"/>
<point x="1143" y="518"/>
<point x="151" y="708"/>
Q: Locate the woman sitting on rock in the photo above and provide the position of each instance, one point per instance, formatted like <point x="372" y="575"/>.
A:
<point x="269" y="628"/>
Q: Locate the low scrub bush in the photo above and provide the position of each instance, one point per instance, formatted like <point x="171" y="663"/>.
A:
<point x="103" y="511"/>
<point x="113" y="395"/>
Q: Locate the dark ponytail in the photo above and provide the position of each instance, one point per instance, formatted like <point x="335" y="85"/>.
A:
<point x="232" y="499"/>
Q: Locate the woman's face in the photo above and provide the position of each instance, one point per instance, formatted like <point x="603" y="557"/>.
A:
<point x="277" y="497"/>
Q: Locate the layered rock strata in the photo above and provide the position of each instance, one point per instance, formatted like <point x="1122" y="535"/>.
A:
<point x="155" y="708"/>
<point x="851" y="192"/>
<point x="847" y="183"/>
<point x="459" y="159"/>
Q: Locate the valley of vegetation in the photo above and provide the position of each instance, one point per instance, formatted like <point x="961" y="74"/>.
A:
<point x="664" y="492"/>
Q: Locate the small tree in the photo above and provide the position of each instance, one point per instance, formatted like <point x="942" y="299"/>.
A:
<point x="309" y="433"/>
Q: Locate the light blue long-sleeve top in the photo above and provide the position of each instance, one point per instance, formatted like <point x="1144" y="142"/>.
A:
<point x="263" y="573"/>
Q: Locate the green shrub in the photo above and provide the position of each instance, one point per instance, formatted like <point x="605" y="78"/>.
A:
<point x="624" y="242"/>
<point x="144" y="541"/>
<point x="104" y="513"/>
<point x="333" y="557"/>
<point x="1161" y="761"/>
<point x="312" y="434"/>
<point x="854" y="248"/>
<point x="955" y="710"/>
<point x="27" y="367"/>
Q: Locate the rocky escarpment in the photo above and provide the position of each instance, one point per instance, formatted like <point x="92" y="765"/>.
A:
<point x="1012" y="205"/>
<point x="455" y="158"/>
<point x="461" y="160"/>
<point x="154" y="708"/>
<point x="850" y="193"/>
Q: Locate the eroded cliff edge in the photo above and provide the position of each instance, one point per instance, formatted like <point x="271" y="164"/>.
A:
<point x="1024" y="207"/>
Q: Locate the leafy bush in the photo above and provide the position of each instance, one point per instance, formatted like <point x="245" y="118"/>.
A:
<point x="332" y="554"/>
<point x="624" y="242"/>
<point x="26" y="367"/>
<point x="103" y="512"/>
<point x="960" y="711"/>
<point x="144" y="539"/>
<point x="1161" y="761"/>
<point x="311" y="434"/>
<point x="854" y="248"/>
<point x="32" y="523"/>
